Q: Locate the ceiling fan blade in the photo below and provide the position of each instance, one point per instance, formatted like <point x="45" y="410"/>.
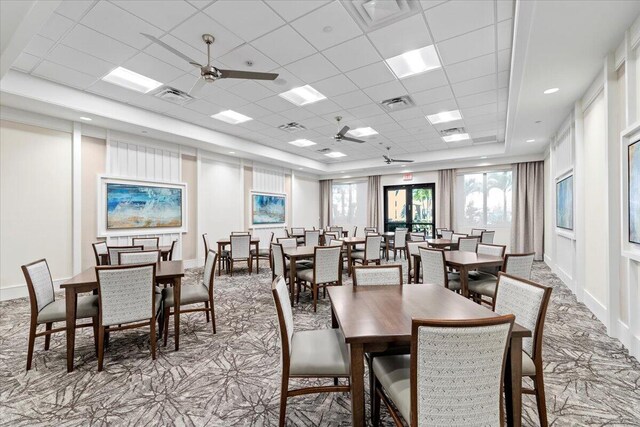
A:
<point x="386" y="157"/>
<point x="172" y="50"/>
<point x="343" y="131"/>
<point x="197" y="87"/>
<point x="401" y="161"/>
<point x="347" y="138"/>
<point x="237" y="74"/>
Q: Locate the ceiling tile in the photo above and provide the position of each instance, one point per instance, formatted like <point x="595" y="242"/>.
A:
<point x="429" y="80"/>
<point x="56" y="26"/>
<point x="168" y="57"/>
<point x="113" y="91"/>
<point x="251" y="91"/>
<point x="313" y="68"/>
<point x="479" y="111"/>
<point x="237" y="58"/>
<point x="352" y="99"/>
<point x="315" y="122"/>
<point x="283" y="83"/>
<point x="292" y="9"/>
<point x="276" y="104"/>
<point x="478" y="99"/>
<point x="439" y="106"/>
<point x="385" y="91"/>
<point x="184" y="83"/>
<point x="89" y="41"/>
<point x="336" y="85"/>
<point x="504" y="60"/>
<point x="63" y="75"/>
<point x="352" y="54"/>
<point x="119" y="24"/>
<point x="162" y="14"/>
<point x="274" y="120"/>
<point x="217" y="95"/>
<point x="428" y="4"/>
<point x="152" y="103"/>
<point x="249" y="19"/>
<point x="453" y="18"/>
<point x="25" y="62"/>
<point x="39" y="46"/>
<point x="253" y="125"/>
<point x="153" y="68"/>
<point x="323" y="107"/>
<point x="505" y="31"/>
<point x="327" y="26"/>
<point x="192" y="29"/>
<point x="200" y="4"/>
<point x="252" y="110"/>
<point x="298" y="115"/>
<point x="80" y="61"/>
<point x="409" y="113"/>
<point x="365" y="111"/>
<point x="467" y="46"/>
<point x="371" y="75"/>
<point x="74" y="9"/>
<point x="472" y="68"/>
<point x="504" y="9"/>
<point x="402" y="36"/>
<point x="503" y="79"/>
<point x="481" y="84"/>
<point x="203" y="107"/>
<point x="272" y="45"/>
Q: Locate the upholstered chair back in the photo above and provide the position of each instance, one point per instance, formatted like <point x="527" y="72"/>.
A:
<point x="240" y="246"/>
<point x="297" y="231"/>
<point x="288" y="242"/>
<point x="519" y="265"/>
<point x="399" y="237"/>
<point x="146" y="242"/>
<point x="368" y="230"/>
<point x="447" y="234"/>
<point x="278" y="259"/>
<point x="372" y="247"/>
<point x="416" y="237"/>
<point x="433" y="266"/>
<point x="312" y="237"/>
<point x="336" y="242"/>
<point x="285" y="314"/>
<point x="240" y="233"/>
<point x="456" y="236"/>
<point x="127" y="293"/>
<point x="114" y="252"/>
<point x="39" y="283"/>
<point x="377" y="275"/>
<point x="327" y="262"/>
<point x="99" y="250"/>
<point x="468" y="244"/>
<point x="331" y="235"/>
<point x="476" y="231"/>
<point x="487" y="236"/>
<point x="209" y="268"/>
<point x="493" y="250"/>
<point x="336" y="229"/>
<point x="139" y="257"/>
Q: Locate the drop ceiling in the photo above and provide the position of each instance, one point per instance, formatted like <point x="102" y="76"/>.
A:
<point x="337" y="47"/>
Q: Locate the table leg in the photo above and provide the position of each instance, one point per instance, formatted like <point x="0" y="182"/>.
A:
<point x="292" y="278"/>
<point x="71" y="302"/>
<point x="349" y="260"/>
<point x="416" y="269"/>
<point x="219" y="259"/>
<point x="513" y="383"/>
<point x="464" y="281"/>
<point x="257" y="248"/>
<point x="334" y="320"/>
<point x="357" y="385"/>
<point x="177" y="283"/>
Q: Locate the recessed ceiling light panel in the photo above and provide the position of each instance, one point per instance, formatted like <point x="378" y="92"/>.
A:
<point x="531" y="140"/>
<point x="302" y="143"/>
<point x="456" y="137"/>
<point x="302" y="95"/>
<point x="360" y="132"/>
<point x="444" y="117"/>
<point x="550" y="91"/>
<point x="88" y="119"/>
<point x="131" y="80"/>
<point x="335" y="154"/>
<point x="414" y="62"/>
<point x="230" y="116"/>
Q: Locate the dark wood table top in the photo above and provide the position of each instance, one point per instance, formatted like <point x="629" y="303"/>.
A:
<point x="227" y="241"/>
<point x="470" y="259"/>
<point x="354" y="240"/>
<point x="300" y="251"/>
<point x="368" y="314"/>
<point x="439" y="242"/>
<point x="164" y="270"/>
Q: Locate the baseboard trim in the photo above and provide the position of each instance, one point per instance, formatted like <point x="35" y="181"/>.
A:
<point x="597" y="308"/>
<point x="21" y="291"/>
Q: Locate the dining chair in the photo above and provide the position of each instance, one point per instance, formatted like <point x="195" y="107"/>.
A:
<point x="127" y="300"/>
<point x="281" y="265"/>
<point x="240" y="251"/>
<point x="417" y="236"/>
<point x="316" y="354"/>
<point x="434" y="269"/>
<point x="101" y="253"/>
<point x="487" y="249"/>
<point x="456" y="236"/>
<point x="468" y="244"/>
<point x="326" y="271"/>
<point x="223" y="255"/>
<point x="517" y="265"/>
<point x="337" y="229"/>
<point x="193" y="294"/>
<point x="398" y="243"/>
<point x="436" y="387"/>
<point x="447" y="234"/>
<point x="146" y="242"/>
<point x="172" y="250"/>
<point x="115" y="250"/>
<point x="370" y="230"/>
<point x="328" y="235"/>
<point x="528" y="301"/>
<point x="288" y="242"/>
<point x="412" y="249"/>
<point x="487" y="236"/>
<point x="46" y="309"/>
<point x="298" y="233"/>
<point x="263" y="253"/>
<point x="312" y="237"/>
<point x="139" y="257"/>
<point x="371" y="252"/>
<point x="240" y="233"/>
<point x="367" y="275"/>
<point x="355" y="231"/>
<point x="439" y="231"/>
<point x="476" y="231"/>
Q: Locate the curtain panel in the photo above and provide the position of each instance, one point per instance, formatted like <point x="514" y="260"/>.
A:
<point x="373" y="201"/>
<point x="446" y="198"/>
<point x="325" y="202"/>
<point x="527" y="227"/>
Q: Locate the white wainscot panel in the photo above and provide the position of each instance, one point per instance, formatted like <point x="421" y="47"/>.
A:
<point x="268" y="180"/>
<point x="564" y="158"/>
<point x="565" y="259"/>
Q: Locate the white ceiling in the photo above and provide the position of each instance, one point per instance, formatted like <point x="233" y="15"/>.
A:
<point x="84" y="40"/>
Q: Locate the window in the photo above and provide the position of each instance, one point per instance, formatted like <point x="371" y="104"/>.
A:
<point x="349" y="204"/>
<point x="410" y="206"/>
<point x="485" y="199"/>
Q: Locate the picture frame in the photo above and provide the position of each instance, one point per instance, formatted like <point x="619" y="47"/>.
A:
<point x="268" y="209"/>
<point x="564" y="202"/>
<point x="633" y="191"/>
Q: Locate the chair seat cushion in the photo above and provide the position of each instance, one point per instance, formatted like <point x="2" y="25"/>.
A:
<point x="357" y="254"/>
<point x="528" y="367"/>
<point x="393" y="374"/>
<point x="454" y="281"/>
<point x="189" y="294"/>
<point x="411" y="273"/>
<point x="56" y="311"/>
<point x="320" y="352"/>
<point x="300" y="265"/>
<point x="306" y="274"/>
<point x="261" y="252"/>
<point x="486" y="287"/>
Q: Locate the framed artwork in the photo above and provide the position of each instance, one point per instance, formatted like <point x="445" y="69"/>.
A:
<point x="268" y="208"/>
<point x="143" y="207"/>
<point x="633" y="186"/>
<point x="564" y="203"/>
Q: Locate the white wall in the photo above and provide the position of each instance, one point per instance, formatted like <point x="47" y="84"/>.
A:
<point x="306" y="202"/>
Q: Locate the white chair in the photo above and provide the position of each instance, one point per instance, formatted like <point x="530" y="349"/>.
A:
<point x="114" y="251"/>
<point x="240" y="251"/>
<point x="434" y="269"/>
<point x="298" y="233"/>
<point x="312" y="237"/>
<point x="288" y="242"/>
<point x="101" y="253"/>
<point x="280" y="266"/>
<point x="468" y="244"/>
<point x="315" y="354"/>
<point x="517" y="265"/>
<point x="147" y="242"/>
<point x="371" y="252"/>
<point x="476" y="231"/>
<point x="127" y="300"/>
<point x="528" y="301"/>
<point x="368" y="230"/>
<point x="367" y="275"/>
<point x="336" y="229"/>
<point x="456" y="236"/>
<point x="240" y="233"/>
<point x="487" y="236"/>
<point x="327" y="270"/>
<point x="417" y="237"/>
<point x="412" y="249"/>
<point x="139" y="257"/>
<point x="45" y="309"/>
<point x="447" y="234"/>
<point x="439" y="384"/>
<point x="262" y="253"/>
<point x="398" y="244"/>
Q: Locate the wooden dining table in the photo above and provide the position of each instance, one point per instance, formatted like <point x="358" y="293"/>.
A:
<point x="377" y="318"/>
<point x="350" y="243"/>
<point x="222" y="243"/>
<point x="464" y="262"/>
<point x="440" y="243"/>
<point x="164" y="254"/>
<point x="294" y="255"/>
<point x="86" y="281"/>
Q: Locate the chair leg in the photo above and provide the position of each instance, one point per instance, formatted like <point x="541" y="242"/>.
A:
<point x="152" y="324"/>
<point x="32" y="340"/>
<point x="231" y="261"/>
<point x="284" y="389"/>
<point x="335" y="380"/>
<point x="250" y="262"/>
<point x="395" y="253"/>
<point x="100" y="347"/>
<point x="166" y="326"/>
<point x="47" y="338"/>
<point x="206" y="306"/>
<point x="372" y="385"/>
<point x="375" y="410"/>
<point x="213" y="318"/>
<point x="540" y="399"/>
<point x="315" y="297"/>
<point x="95" y="333"/>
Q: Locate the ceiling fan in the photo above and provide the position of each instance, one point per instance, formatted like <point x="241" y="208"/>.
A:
<point x="388" y="160"/>
<point x="341" y="136"/>
<point x="209" y="73"/>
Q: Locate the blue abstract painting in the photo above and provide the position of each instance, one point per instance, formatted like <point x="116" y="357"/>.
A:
<point x="564" y="203"/>
<point x="634" y="192"/>
<point x="143" y="206"/>
<point x="268" y="209"/>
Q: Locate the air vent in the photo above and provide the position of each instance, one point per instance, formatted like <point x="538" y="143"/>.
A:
<point x="371" y="14"/>
<point x="452" y="131"/>
<point x="397" y="104"/>
<point x="485" y="140"/>
<point x="292" y="127"/>
<point x="324" y="150"/>
<point x="173" y="95"/>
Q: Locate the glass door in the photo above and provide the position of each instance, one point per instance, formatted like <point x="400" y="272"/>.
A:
<point x="410" y="206"/>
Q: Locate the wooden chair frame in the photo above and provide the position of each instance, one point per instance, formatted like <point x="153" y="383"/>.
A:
<point x="416" y="274"/>
<point x="157" y="239"/>
<point x="258" y="255"/>
<point x="386" y="266"/>
<point x="492" y="302"/>
<point x="285" y="393"/>
<point x="314" y="285"/>
<point x="159" y="252"/>
<point x="99" y="256"/>
<point x="391" y="245"/>
<point x="173" y="247"/>
<point x="366" y="261"/>
<point x="133" y="247"/>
